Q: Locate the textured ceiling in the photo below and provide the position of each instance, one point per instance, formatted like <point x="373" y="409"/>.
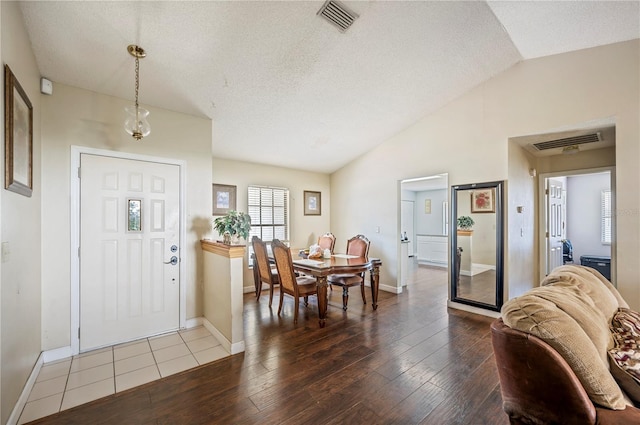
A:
<point x="283" y="86"/>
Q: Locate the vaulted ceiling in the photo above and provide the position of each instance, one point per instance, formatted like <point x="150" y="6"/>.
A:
<point x="285" y="87"/>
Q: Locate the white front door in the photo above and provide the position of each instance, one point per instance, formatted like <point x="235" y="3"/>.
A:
<point x="129" y="234"/>
<point x="555" y="223"/>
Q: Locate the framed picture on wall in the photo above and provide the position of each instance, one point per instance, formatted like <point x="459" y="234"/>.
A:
<point x="224" y="198"/>
<point x="427" y="206"/>
<point x="312" y="203"/>
<point x="18" y="136"/>
<point x="483" y="201"/>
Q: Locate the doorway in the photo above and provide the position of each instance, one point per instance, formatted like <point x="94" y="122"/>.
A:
<point x="422" y="224"/>
<point x="577" y="221"/>
<point x="127" y="229"/>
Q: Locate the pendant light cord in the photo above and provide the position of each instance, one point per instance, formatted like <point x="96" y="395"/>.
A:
<point x="137" y="79"/>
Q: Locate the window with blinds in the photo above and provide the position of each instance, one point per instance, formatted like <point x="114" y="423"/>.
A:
<point x="269" y="211"/>
<point x="605" y="233"/>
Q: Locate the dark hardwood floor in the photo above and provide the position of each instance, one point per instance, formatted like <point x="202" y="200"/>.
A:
<point x="413" y="361"/>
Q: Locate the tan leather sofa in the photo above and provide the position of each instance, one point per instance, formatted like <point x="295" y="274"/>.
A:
<point x="552" y="352"/>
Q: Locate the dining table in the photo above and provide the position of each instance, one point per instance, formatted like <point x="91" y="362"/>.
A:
<point x="338" y="264"/>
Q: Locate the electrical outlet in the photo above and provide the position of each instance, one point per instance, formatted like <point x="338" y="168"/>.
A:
<point x="377" y="229"/>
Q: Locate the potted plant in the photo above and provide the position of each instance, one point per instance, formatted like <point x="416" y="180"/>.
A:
<point x="233" y="224"/>
<point x="465" y="222"/>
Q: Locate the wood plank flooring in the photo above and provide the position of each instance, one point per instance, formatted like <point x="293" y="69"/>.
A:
<point x="413" y="361"/>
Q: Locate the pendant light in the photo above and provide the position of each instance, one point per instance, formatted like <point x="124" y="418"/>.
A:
<point x="136" y="123"/>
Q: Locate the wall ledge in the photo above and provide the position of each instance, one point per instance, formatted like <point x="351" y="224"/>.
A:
<point x="229" y="251"/>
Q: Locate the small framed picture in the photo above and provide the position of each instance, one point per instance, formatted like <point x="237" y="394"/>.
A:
<point x="224" y="198"/>
<point x="483" y="201"/>
<point x="18" y="136"/>
<point x="312" y="203"/>
<point x="427" y="206"/>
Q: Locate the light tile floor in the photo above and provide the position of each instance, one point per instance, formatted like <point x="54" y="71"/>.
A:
<point x="67" y="383"/>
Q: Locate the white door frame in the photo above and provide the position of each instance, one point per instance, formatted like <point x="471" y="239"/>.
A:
<point x="74" y="184"/>
<point x="542" y="246"/>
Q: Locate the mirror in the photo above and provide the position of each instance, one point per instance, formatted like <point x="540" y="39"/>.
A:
<point x="476" y="245"/>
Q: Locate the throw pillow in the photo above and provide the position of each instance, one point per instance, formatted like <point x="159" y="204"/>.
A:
<point x="624" y="357"/>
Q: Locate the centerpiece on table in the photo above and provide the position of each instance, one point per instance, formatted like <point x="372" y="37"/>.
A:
<point x="233" y="226"/>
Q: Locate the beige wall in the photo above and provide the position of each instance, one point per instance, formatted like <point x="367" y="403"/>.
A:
<point x="304" y="229"/>
<point x="20" y="220"/>
<point x="74" y="116"/>
<point x="469" y="139"/>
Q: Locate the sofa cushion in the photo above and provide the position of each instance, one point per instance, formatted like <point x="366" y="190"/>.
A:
<point x="568" y="320"/>
<point x="605" y="296"/>
<point x="625" y="356"/>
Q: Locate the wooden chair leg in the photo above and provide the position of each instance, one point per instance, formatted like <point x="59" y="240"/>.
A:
<point x="345" y="297"/>
<point x="364" y="299"/>
<point x="295" y="313"/>
<point x="280" y="306"/>
<point x="306" y="301"/>
<point x="271" y="294"/>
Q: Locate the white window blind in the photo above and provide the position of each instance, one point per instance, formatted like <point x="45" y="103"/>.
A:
<point x="269" y="211"/>
<point x="605" y="233"/>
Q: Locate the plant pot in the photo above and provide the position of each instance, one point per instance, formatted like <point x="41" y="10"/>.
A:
<point x="226" y="238"/>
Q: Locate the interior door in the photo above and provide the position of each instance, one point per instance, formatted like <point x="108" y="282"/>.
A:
<point x="129" y="249"/>
<point x="406" y="224"/>
<point x="555" y="223"/>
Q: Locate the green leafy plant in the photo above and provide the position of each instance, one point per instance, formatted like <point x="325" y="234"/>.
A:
<point x="465" y="222"/>
<point x="234" y="223"/>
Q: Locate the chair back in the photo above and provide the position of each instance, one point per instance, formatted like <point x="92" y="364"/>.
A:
<point x="327" y="241"/>
<point x="262" y="258"/>
<point x="284" y="264"/>
<point x="358" y="245"/>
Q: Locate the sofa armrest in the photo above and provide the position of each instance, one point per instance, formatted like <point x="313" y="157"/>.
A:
<point x="537" y="384"/>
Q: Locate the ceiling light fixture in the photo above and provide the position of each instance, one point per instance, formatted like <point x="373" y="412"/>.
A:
<point x="136" y="123"/>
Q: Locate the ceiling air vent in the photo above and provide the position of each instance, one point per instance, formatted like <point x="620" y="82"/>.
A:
<point x="568" y="141"/>
<point x="337" y="15"/>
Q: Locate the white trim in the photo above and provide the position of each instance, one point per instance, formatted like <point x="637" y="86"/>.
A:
<point x="236" y="348"/>
<point x="472" y="309"/>
<point x="26" y="391"/>
<point x="57" y="354"/>
<point x="389" y="288"/>
<point x="74" y="185"/>
<point x="193" y="323"/>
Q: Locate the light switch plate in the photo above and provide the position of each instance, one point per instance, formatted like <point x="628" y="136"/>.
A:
<point x="46" y="86"/>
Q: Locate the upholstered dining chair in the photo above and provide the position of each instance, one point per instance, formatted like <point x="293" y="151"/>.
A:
<point x="266" y="273"/>
<point x="327" y="241"/>
<point x="296" y="286"/>
<point x="357" y="245"/>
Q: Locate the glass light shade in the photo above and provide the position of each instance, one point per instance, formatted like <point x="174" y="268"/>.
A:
<point x="136" y="123"/>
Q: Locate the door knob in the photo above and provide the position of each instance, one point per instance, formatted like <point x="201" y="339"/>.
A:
<point x="173" y="261"/>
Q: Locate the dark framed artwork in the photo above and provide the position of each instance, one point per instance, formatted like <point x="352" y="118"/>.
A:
<point x="312" y="203"/>
<point x="224" y="198"/>
<point x="18" y="136"/>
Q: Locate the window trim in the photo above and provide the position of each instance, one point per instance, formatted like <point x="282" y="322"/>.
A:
<point x="606" y="216"/>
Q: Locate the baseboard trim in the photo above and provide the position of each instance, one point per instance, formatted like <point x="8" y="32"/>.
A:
<point x="26" y="390"/>
<point x="388" y="288"/>
<point x="236" y="348"/>
<point x="472" y="309"/>
<point x="57" y="354"/>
